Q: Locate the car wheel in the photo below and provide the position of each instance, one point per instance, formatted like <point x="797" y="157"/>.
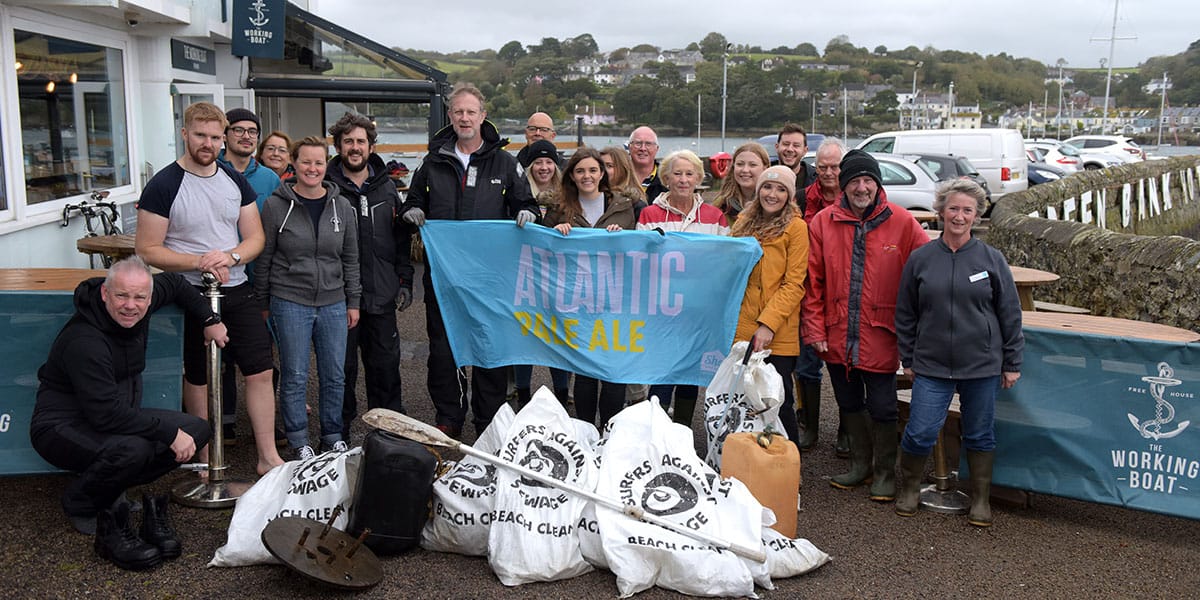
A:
<point x="1092" y="167"/>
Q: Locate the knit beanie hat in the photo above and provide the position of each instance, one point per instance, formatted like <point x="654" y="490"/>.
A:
<point x="241" y="114"/>
<point x="855" y="163"/>
<point x="542" y="149"/>
<point x="781" y="175"/>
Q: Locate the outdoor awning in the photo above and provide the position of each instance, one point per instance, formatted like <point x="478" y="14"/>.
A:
<point x="327" y="61"/>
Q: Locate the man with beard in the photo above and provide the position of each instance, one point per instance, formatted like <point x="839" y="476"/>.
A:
<point x="385" y="269"/>
<point x="195" y="216"/>
<point x="857" y="251"/>
<point x="241" y="141"/>
<point x="467" y="175"/>
<point x="643" y="147"/>
<point x="791" y="146"/>
<point x="539" y="127"/>
<point x="89" y="417"/>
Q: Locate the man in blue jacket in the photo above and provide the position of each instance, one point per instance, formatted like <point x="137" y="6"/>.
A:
<point x="467" y="175"/>
<point x="383" y="253"/>
<point x="241" y="142"/>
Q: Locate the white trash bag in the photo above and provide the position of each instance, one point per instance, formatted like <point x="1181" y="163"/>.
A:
<point x="463" y="498"/>
<point x="741" y="398"/>
<point x="309" y="489"/>
<point x="790" y="557"/>
<point x="533" y="535"/>
<point x="650" y="462"/>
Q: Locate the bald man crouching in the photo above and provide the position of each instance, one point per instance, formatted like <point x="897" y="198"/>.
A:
<point x="88" y="418"/>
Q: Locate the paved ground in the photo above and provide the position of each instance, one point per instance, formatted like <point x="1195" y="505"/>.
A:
<point x="1055" y="548"/>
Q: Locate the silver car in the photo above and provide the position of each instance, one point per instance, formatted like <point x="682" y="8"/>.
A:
<point x="907" y="182"/>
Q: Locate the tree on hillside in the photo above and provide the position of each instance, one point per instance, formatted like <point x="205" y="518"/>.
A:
<point x="882" y="104"/>
<point x="807" y="49"/>
<point x="713" y="46"/>
<point x="839" y="43"/>
<point x="580" y="46"/>
<point x="644" y="48"/>
<point x="511" y="52"/>
<point x="549" y="47"/>
<point x="881" y="50"/>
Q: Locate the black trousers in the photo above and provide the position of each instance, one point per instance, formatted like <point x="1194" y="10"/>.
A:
<point x="446" y="382"/>
<point x="376" y="337"/>
<point x="108" y="464"/>
<point x="592" y="394"/>
<point x="857" y="390"/>
<point x="787" y="411"/>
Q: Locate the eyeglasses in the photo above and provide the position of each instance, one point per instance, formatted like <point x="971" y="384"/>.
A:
<point x="275" y="149"/>
<point x="241" y="131"/>
<point x="642" y="144"/>
<point x="536" y="129"/>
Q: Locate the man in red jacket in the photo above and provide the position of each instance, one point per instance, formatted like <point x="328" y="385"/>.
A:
<point x="857" y="250"/>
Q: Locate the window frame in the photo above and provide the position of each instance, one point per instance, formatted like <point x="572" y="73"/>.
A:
<point x="19" y="214"/>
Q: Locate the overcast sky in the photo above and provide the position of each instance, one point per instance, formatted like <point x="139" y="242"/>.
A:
<point x="1044" y="30"/>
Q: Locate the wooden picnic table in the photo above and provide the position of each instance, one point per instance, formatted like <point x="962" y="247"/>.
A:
<point x="1027" y="279"/>
<point x="1109" y="326"/>
<point x="45" y="279"/>
<point x="114" y="247"/>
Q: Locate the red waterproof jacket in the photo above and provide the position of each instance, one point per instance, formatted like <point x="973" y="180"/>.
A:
<point x="854" y="268"/>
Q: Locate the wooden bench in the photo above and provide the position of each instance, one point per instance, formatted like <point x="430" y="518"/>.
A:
<point x="1042" y="306"/>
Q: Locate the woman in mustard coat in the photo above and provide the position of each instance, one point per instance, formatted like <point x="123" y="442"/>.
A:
<point x="770" y="315"/>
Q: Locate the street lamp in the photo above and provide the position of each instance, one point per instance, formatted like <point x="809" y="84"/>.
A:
<point x="724" y="86"/>
<point x="912" y="123"/>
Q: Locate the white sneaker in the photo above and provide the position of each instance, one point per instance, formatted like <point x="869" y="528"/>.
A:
<point x="305" y="452"/>
<point x="340" y="446"/>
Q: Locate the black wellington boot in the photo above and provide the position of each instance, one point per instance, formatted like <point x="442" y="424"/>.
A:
<point x="157" y="528"/>
<point x="912" y="469"/>
<point x="116" y="541"/>
<point x="858" y="426"/>
<point x="980" y="464"/>
<point x="883" y="486"/>
<point x="810" y="398"/>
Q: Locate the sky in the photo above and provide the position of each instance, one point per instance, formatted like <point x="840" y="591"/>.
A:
<point x="1044" y="30"/>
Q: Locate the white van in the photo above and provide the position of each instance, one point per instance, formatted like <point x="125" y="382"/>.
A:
<point x="999" y="154"/>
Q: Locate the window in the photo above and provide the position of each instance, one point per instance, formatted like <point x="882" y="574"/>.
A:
<point x="892" y="174"/>
<point x="72" y="107"/>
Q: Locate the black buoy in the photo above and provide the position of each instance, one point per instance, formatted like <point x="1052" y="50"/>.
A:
<point x="393" y="493"/>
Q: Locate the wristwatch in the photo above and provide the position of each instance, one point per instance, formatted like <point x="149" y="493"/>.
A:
<point x="212" y="319"/>
<point x="237" y="258"/>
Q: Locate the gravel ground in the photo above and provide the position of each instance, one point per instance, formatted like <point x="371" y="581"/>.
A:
<point x="1054" y="548"/>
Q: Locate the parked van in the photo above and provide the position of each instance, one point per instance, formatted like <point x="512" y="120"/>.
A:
<point x="999" y="154"/>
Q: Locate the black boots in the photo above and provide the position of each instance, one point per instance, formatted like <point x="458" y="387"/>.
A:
<point x="980" y="464"/>
<point x="117" y="542"/>
<point x="809" y="415"/>
<point x="841" y="448"/>
<point x="858" y="427"/>
<point x="156" y="526"/>
<point x="912" y="470"/>
<point x="523" y="396"/>
<point x="885" y="442"/>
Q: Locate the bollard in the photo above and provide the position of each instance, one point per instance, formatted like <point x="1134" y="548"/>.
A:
<point x="218" y="491"/>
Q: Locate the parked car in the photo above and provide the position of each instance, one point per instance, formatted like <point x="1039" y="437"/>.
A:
<point x="1056" y="154"/>
<point x="1087" y="160"/>
<point x="907" y="182"/>
<point x="1118" y="145"/>
<point x="1040" y="172"/>
<point x="999" y="154"/>
<point x="948" y="166"/>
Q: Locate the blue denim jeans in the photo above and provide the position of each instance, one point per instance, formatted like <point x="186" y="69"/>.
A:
<point x="300" y="328"/>
<point x="808" y="366"/>
<point x="931" y="400"/>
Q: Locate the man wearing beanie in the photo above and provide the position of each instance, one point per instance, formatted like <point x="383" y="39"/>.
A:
<point x="857" y="251"/>
<point x="241" y="141"/>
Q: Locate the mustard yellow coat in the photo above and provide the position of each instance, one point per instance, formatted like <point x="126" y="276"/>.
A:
<point x="775" y="289"/>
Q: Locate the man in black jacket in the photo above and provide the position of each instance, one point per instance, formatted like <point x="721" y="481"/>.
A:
<point x="467" y="175"/>
<point x="387" y="273"/>
<point x="88" y="416"/>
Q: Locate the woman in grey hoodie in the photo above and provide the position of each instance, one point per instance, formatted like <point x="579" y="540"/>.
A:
<point x="309" y="272"/>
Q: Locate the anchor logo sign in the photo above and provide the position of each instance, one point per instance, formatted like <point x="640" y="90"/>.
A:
<point x="260" y="15"/>
<point x="1164" y="413"/>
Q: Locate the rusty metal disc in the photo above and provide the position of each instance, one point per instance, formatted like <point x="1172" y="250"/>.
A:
<point x="322" y="553"/>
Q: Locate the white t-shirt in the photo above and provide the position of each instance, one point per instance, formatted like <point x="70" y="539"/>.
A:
<point x="593" y="208"/>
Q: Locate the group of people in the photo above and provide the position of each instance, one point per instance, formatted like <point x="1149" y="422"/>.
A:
<point x="312" y="254"/>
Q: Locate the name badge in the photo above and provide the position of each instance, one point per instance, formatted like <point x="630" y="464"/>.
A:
<point x="979" y="276"/>
<point x="471" y="173"/>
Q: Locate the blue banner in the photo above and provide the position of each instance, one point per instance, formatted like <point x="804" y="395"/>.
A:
<point x="258" y="28"/>
<point x="1103" y="419"/>
<point x="628" y="307"/>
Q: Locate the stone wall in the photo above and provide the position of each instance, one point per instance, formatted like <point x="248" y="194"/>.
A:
<point x="1108" y="234"/>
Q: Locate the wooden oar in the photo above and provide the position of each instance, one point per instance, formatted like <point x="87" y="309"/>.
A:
<point x="408" y="427"/>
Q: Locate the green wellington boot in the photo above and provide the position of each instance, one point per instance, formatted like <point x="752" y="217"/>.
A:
<point x="841" y="448"/>
<point x="980" y="464"/>
<point x="810" y="416"/>
<point x="885" y="440"/>
<point x="858" y="426"/>
<point x="912" y="470"/>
